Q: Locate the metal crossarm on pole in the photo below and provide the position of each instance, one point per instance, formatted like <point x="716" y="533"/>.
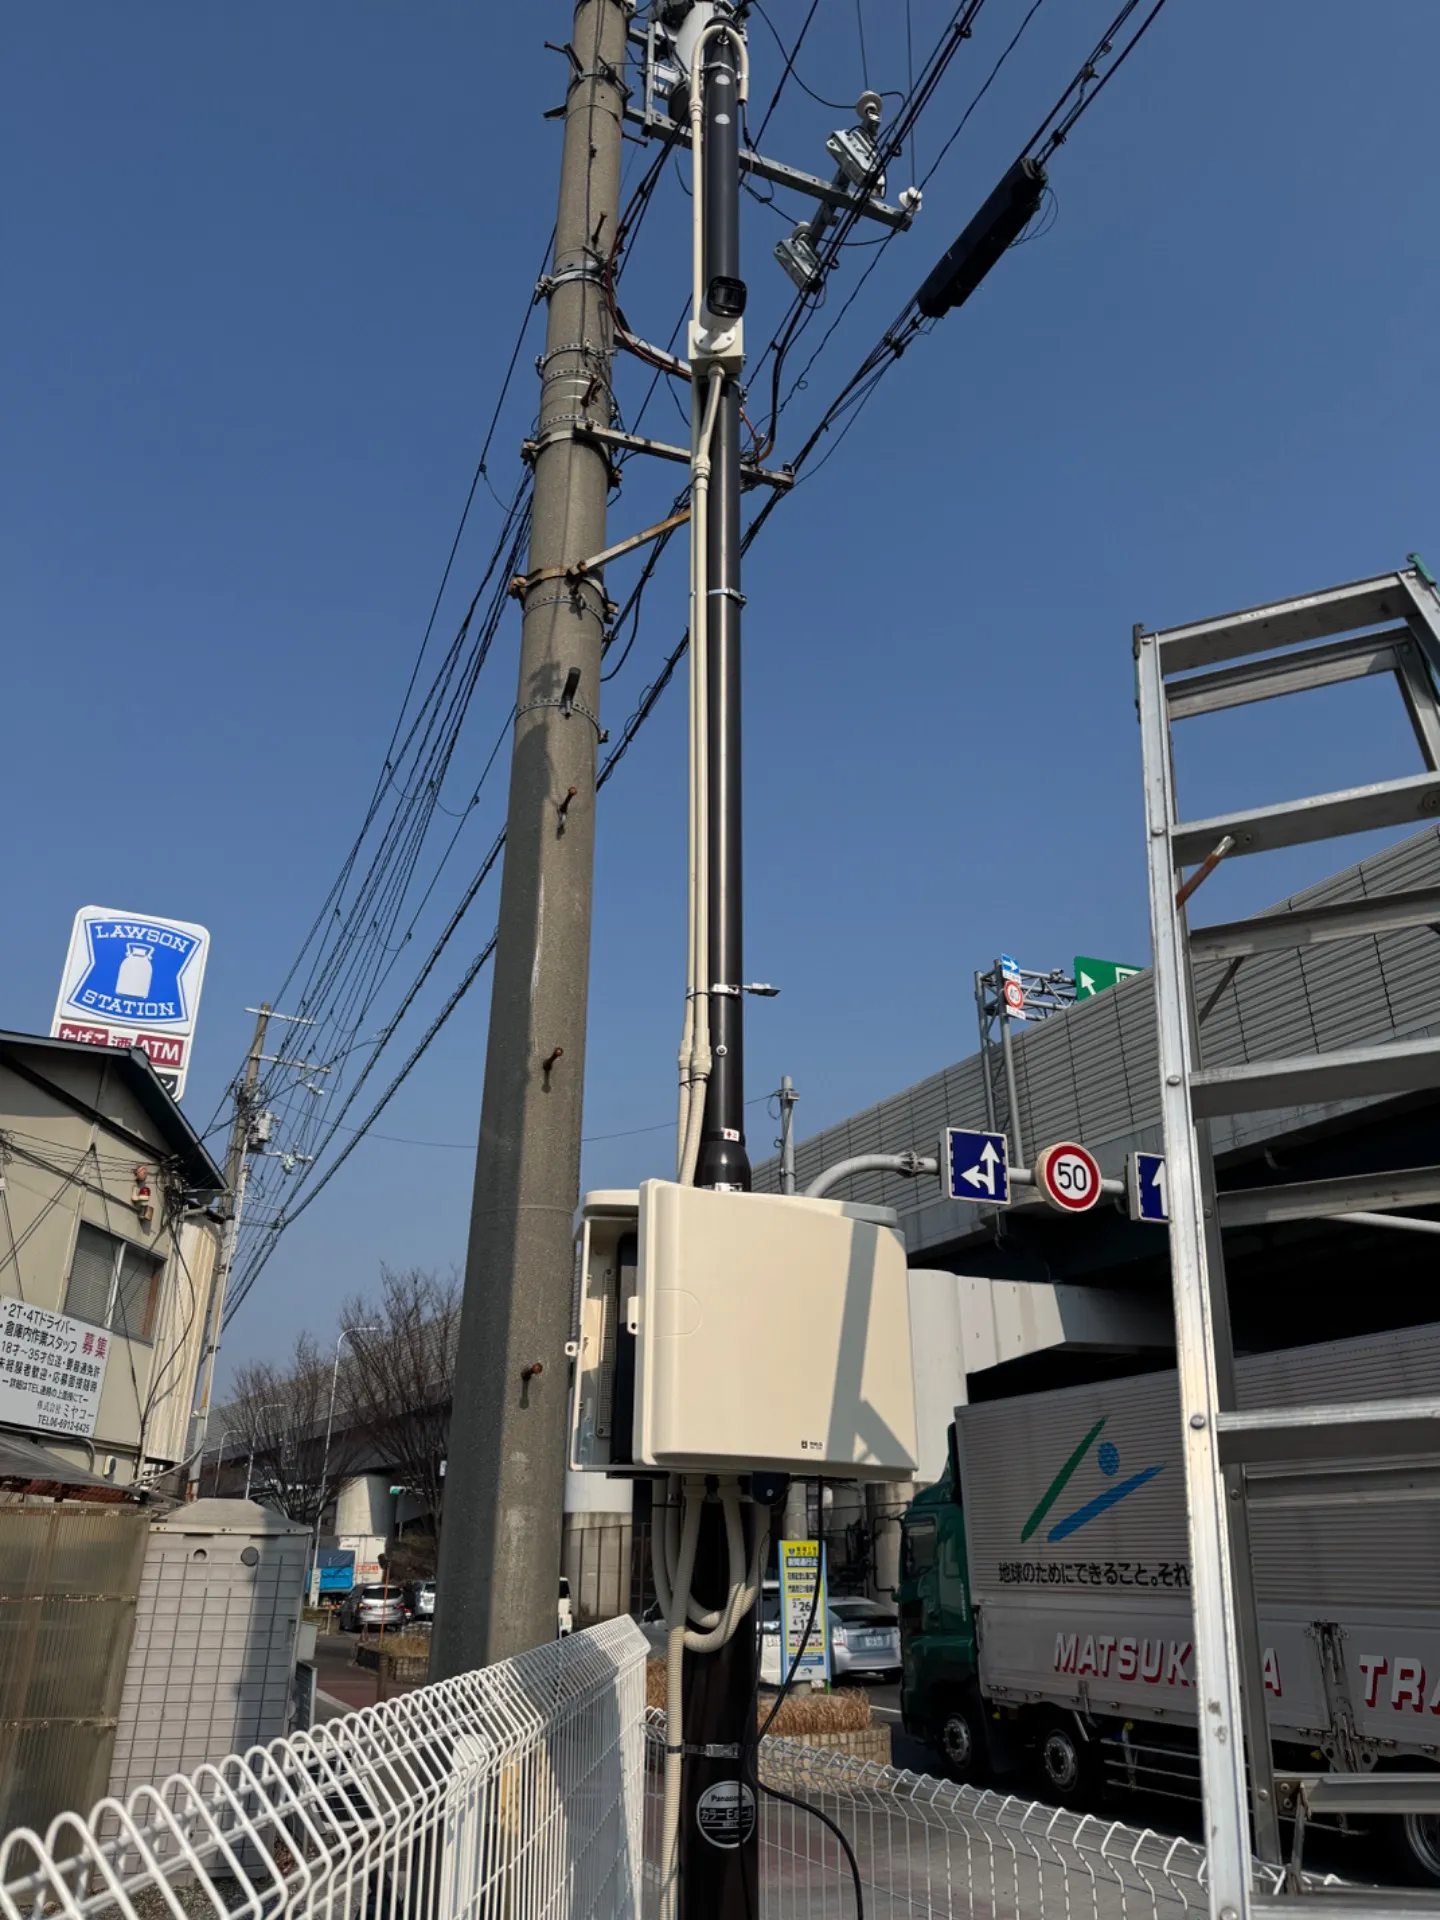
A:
<point x="1266" y="653"/>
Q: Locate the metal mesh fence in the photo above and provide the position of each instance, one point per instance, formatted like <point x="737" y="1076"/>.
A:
<point x="532" y="1790"/>
<point x="516" y="1789"/>
<point x="928" y="1847"/>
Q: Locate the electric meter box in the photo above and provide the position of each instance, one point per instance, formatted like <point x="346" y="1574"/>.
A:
<point x="721" y="1332"/>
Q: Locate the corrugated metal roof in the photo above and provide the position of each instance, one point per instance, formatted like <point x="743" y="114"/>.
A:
<point x="1092" y="1073"/>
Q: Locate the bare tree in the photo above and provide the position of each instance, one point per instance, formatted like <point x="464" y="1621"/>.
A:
<point x="281" y="1411"/>
<point x="398" y="1378"/>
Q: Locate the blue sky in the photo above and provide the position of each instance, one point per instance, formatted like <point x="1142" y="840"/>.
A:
<point x="264" y="270"/>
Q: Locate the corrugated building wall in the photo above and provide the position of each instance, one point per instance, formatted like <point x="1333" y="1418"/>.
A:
<point x="69" y="1577"/>
<point x="1091" y="1073"/>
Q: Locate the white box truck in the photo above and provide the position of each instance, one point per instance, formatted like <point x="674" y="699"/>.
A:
<point x="1045" y="1588"/>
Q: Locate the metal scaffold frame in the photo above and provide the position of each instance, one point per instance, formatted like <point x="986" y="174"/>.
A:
<point x="1390" y="624"/>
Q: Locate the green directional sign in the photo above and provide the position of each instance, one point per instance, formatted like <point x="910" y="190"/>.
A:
<point x="1094" y="976"/>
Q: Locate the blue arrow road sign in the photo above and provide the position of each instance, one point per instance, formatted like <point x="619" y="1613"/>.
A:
<point x="1149" y="1197"/>
<point x="976" y="1166"/>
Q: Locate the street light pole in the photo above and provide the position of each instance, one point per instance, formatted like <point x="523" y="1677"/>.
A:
<point x="219" y="1456"/>
<point x="269" y="1407"/>
<point x="344" y="1335"/>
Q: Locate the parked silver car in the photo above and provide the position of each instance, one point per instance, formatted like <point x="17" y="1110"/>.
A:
<point x="376" y="1606"/>
<point x="864" y="1638"/>
<point x="420" y="1599"/>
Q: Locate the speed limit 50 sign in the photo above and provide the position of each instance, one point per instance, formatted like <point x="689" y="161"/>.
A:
<point x="1069" y="1177"/>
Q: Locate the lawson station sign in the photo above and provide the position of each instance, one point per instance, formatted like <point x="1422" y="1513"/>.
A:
<point x="133" y="981"/>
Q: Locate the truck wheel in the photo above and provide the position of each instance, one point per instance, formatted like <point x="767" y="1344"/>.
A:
<point x="1066" y="1764"/>
<point x="961" y="1739"/>
<point x="1412" y="1845"/>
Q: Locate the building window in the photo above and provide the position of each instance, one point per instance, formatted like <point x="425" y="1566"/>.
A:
<point x="113" y="1284"/>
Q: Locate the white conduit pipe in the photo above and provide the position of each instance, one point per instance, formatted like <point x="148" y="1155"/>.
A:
<point x="674" y="1541"/>
<point x="695" y="1056"/>
<point x="675" y="1604"/>
<point x="744" y="1582"/>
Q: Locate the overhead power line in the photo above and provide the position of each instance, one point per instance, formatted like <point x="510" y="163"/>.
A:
<point x="1090" y="82"/>
<point x="845" y="406"/>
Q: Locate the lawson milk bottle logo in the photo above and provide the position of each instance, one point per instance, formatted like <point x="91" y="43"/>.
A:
<point x="136" y="972"/>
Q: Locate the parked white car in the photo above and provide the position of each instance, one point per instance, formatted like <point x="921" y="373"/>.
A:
<point x="565" y="1613"/>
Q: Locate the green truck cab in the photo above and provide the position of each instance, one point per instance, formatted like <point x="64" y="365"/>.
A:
<point x="940" y="1699"/>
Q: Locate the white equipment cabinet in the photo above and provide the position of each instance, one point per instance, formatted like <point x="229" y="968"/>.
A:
<point x="721" y="1332"/>
<point x="214" y="1651"/>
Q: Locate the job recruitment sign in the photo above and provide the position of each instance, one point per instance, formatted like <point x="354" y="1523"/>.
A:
<point x="51" y="1369"/>
<point x="132" y="980"/>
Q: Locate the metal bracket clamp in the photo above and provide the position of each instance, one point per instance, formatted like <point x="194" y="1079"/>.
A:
<point x="573" y="601"/>
<point x="587" y="270"/>
<point x="567" y="707"/>
<point x="588" y="347"/>
<point x="726" y="593"/>
<point x="575" y="427"/>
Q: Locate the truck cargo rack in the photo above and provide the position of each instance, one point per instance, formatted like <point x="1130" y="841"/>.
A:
<point x="1389" y="624"/>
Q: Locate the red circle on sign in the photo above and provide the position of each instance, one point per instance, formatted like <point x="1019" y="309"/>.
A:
<point x="1014" y="994"/>
<point x="1069" y="1177"/>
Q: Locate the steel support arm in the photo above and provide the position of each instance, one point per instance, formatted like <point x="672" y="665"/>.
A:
<point x="910" y="1164"/>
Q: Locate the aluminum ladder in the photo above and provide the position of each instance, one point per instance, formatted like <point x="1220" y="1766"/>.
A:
<point x="1390" y="624"/>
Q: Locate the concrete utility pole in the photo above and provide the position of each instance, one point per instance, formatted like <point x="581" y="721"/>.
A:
<point x="500" y="1545"/>
<point x="787" y="1097"/>
<point x="237" y="1168"/>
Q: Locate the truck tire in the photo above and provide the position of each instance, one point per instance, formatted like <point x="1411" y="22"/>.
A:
<point x="960" y="1736"/>
<point x="1411" y="1842"/>
<point x="1066" y="1764"/>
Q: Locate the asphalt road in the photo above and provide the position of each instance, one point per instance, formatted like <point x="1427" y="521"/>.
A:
<point x="904" y="1752"/>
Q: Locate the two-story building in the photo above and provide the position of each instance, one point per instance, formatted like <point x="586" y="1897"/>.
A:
<point x="108" y="1249"/>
